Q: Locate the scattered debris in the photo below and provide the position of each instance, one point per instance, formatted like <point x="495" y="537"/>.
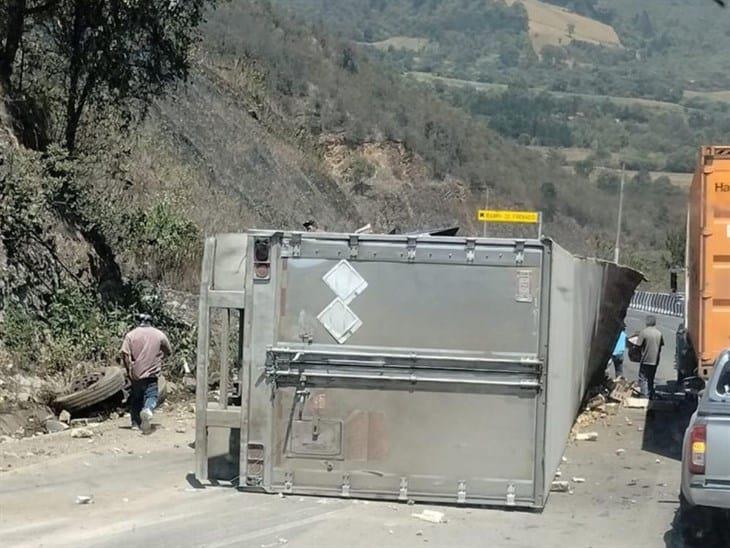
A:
<point x="85" y="499"/>
<point x="596" y="402"/>
<point x="82" y="433"/>
<point x="64" y="416"/>
<point x="586" y="436"/>
<point x="180" y="429"/>
<point x="410" y="502"/>
<point x="637" y="403"/>
<point x="86" y="421"/>
<point x="578" y="480"/>
<point x="560" y="487"/>
<point x="658" y="461"/>
<point x="564" y="459"/>
<point x="281" y="495"/>
<point x="632" y="482"/>
<point x="113" y="415"/>
<point x="558" y="473"/>
<point x="432" y="516"/>
<point x="419" y="533"/>
<point x="622" y="389"/>
<point x="628" y="421"/>
<point x="52" y="426"/>
<point x="620" y="452"/>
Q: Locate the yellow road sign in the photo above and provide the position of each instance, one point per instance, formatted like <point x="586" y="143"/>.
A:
<point x="504" y="216"/>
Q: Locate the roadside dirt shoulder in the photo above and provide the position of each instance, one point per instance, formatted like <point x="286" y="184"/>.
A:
<point x="172" y="426"/>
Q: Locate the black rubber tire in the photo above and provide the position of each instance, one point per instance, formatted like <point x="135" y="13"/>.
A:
<point x="110" y="381"/>
<point x="696" y="522"/>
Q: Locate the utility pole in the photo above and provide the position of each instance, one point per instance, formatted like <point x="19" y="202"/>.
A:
<point x="617" y="249"/>
<point x="486" y="206"/>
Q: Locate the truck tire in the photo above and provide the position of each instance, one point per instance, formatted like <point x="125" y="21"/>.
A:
<point x="90" y="389"/>
<point x="695" y="522"/>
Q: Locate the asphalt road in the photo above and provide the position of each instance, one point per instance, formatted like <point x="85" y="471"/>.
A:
<point x="144" y="496"/>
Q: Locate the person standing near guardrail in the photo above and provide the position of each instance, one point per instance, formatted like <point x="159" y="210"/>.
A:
<point x="651" y="342"/>
<point x="143" y="350"/>
<point x="617" y="357"/>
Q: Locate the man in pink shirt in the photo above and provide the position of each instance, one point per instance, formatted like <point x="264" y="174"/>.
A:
<point x="143" y="350"/>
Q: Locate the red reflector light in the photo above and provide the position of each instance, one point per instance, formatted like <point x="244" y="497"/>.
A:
<point x="262" y="270"/>
<point x="698" y="449"/>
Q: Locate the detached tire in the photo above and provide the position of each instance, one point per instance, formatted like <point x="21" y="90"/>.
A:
<point x="92" y="389"/>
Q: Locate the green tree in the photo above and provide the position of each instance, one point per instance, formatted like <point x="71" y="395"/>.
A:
<point x="549" y="195"/>
<point x="584" y="168"/>
<point x="100" y="53"/>
<point x="675" y="243"/>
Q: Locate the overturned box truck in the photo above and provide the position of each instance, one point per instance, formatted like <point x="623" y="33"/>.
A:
<point x="430" y="368"/>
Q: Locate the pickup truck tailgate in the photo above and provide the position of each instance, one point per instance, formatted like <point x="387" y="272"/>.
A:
<point x="717" y="467"/>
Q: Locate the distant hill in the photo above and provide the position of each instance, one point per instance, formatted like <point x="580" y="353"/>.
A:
<point x="282" y="122"/>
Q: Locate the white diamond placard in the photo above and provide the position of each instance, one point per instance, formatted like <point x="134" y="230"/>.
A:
<point x="345" y="281"/>
<point x="339" y="320"/>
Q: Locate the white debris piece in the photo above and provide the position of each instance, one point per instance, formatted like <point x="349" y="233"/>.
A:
<point x="637" y="403"/>
<point x="586" y="436"/>
<point x="579" y="480"/>
<point x="620" y="452"/>
<point x="560" y="487"/>
<point x="82" y="433"/>
<point x="564" y="459"/>
<point x="658" y="461"/>
<point x="84" y="499"/>
<point x="64" y="416"/>
<point x="433" y="516"/>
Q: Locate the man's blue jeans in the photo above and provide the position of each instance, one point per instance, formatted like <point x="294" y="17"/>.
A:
<point x="143" y="395"/>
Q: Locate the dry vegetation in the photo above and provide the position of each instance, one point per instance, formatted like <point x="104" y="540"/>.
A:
<point x="555" y="26"/>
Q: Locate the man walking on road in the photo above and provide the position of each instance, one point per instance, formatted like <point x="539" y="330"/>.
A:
<point x="651" y="341"/>
<point x="143" y="350"/>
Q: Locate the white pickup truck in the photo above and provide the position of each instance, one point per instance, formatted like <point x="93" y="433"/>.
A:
<point x="705" y="493"/>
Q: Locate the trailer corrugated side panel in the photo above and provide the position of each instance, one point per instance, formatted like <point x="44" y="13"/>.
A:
<point x="588" y="301"/>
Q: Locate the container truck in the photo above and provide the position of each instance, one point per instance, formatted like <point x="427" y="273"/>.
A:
<point x="707" y="307"/>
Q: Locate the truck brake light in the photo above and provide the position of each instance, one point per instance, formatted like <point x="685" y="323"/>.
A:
<point x="698" y="449"/>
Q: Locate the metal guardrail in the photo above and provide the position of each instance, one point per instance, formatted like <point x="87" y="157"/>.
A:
<point x="670" y="304"/>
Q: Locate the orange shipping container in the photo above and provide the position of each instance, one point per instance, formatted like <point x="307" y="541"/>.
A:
<point x="708" y="257"/>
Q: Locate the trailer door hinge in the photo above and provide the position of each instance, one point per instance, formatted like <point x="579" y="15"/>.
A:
<point x="461" y="493"/>
<point x="510" y="500"/>
<point x="346" y="485"/>
<point x="403" y="494"/>
<point x="354" y="245"/>
<point x="411" y="249"/>
<point x="296" y="245"/>
<point x="288" y="482"/>
<point x="471" y="244"/>
<point x="519" y="252"/>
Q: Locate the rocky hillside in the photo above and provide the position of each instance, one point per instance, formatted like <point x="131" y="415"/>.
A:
<point x="282" y="123"/>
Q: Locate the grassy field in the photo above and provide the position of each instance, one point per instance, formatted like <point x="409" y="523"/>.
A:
<point x="722" y="96"/>
<point x="407" y="43"/>
<point x="427" y="77"/>
<point x="554" y="26"/>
